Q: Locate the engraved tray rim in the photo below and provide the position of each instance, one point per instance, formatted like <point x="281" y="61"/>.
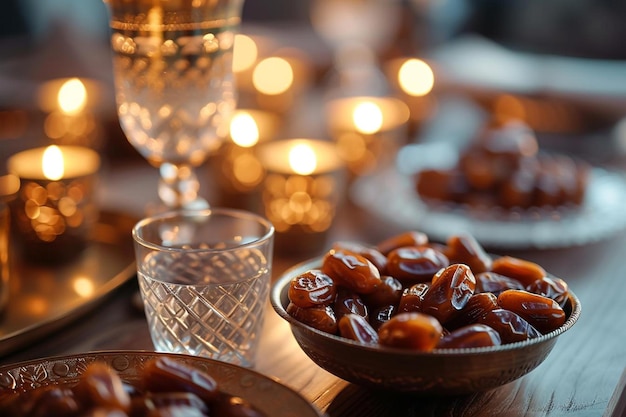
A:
<point x="265" y="392"/>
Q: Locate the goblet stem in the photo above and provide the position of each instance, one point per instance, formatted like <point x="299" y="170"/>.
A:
<point x="179" y="187"/>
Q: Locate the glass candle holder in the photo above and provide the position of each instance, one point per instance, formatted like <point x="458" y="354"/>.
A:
<point x="54" y="210"/>
<point x="302" y="191"/>
<point x="368" y="131"/>
<point x="237" y="170"/>
<point x="413" y="81"/>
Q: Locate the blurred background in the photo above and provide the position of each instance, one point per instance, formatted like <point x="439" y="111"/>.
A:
<point x="556" y="64"/>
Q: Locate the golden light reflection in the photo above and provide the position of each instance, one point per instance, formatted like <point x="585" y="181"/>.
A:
<point x="416" y="78"/>
<point x="83" y="286"/>
<point x="52" y="163"/>
<point x="245" y="53"/>
<point x="367" y="117"/>
<point x="72" y="96"/>
<point x="244" y="130"/>
<point x="273" y="76"/>
<point x="302" y="159"/>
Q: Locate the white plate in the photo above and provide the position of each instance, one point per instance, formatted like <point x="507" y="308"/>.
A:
<point x="391" y="196"/>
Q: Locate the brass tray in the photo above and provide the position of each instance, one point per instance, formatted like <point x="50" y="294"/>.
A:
<point x="44" y="298"/>
<point x="267" y="394"/>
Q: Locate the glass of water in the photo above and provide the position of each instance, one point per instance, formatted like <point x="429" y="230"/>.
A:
<point x="204" y="277"/>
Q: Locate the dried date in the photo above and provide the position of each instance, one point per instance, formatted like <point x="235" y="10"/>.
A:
<point x="470" y="336"/>
<point x="543" y="313"/>
<point x="411" y="331"/>
<point x="413" y="264"/>
<point x="355" y="327"/>
<point x="450" y="291"/>
<point x="351" y="270"/>
<point x="312" y="288"/>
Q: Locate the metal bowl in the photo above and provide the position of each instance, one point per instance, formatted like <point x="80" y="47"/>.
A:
<point x="267" y="394"/>
<point x="441" y="371"/>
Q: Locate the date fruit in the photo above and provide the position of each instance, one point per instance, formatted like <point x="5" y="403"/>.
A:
<point x="351" y="270"/>
<point x="312" y="288"/>
<point x="413" y="264"/>
<point x="450" y="291"/>
<point x="470" y="336"/>
<point x="411" y="331"/>
<point x="543" y="313"/>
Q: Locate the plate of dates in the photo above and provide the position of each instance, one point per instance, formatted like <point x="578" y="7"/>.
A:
<point x="409" y="315"/>
<point x="506" y="199"/>
<point x="136" y="383"/>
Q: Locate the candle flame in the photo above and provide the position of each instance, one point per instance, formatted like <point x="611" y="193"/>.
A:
<point x="367" y="117"/>
<point x="244" y="130"/>
<point x="52" y="163"/>
<point x="302" y="159"/>
<point x="416" y="78"/>
<point x="245" y="53"/>
<point x="273" y="76"/>
<point x="72" y="96"/>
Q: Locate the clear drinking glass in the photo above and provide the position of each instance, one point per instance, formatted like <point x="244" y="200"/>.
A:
<point x="175" y="93"/>
<point x="204" y="277"/>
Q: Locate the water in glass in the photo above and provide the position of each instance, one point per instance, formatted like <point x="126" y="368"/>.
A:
<point x="206" y="304"/>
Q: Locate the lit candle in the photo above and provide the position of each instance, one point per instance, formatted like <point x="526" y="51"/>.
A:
<point x="236" y="168"/>
<point x="413" y="80"/>
<point x="279" y="79"/>
<point x="368" y="130"/>
<point x="70" y="105"/>
<point x="54" y="208"/>
<point x="302" y="191"/>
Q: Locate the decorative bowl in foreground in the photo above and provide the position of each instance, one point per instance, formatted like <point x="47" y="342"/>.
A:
<point x="441" y="371"/>
<point x="266" y="394"/>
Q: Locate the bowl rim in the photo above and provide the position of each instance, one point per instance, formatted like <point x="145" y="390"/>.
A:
<point x="280" y="286"/>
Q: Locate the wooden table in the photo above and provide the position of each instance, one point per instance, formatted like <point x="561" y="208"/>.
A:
<point x="581" y="377"/>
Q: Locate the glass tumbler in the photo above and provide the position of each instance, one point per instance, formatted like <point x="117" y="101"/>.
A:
<point x="204" y="277"/>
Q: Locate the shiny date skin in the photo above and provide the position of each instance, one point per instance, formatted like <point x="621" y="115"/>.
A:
<point x="551" y="287"/>
<point x="477" y="306"/>
<point x="382" y="315"/>
<point x="348" y="302"/>
<point x="388" y="292"/>
<point x="415" y="331"/>
<point x="543" y="313"/>
<point x="413" y="264"/>
<point x="370" y="253"/>
<point x="100" y="386"/>
<point x="319" y="317"/>
<point x="168" y="375"/>
<point x="351" y="270"/>
<point x="449" y="292"/>
<point x="355" y="327"/>
<point x="465" y="249"/>
<point x="510" y="326"/>
<point x="470" y="336"/>
<point x="496" y="283"/>
<point x="413" y="298"/>
<point x="524" y="271"/>
<point x="312" y="288"/>
<point x="409" y="238"/>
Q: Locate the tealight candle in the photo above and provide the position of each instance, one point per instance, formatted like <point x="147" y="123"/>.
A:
<point x="368" y="130"/>
<point x="279" y="79"/>
<point x="54" y="209"/>
<point x="302" y="191"/>
<point x="413" y="80"/>
<point x="237" y="170"/>
<point x="70" y="105"/>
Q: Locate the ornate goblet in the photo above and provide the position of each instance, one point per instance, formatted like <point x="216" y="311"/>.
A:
<point x="172" y="63"/>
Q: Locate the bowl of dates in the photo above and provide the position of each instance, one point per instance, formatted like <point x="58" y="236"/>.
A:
<point x="135" y="383"/>
<point x="409" y="315"/>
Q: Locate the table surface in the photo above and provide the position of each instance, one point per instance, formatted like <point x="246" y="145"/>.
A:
<point x="583" y="376"/>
